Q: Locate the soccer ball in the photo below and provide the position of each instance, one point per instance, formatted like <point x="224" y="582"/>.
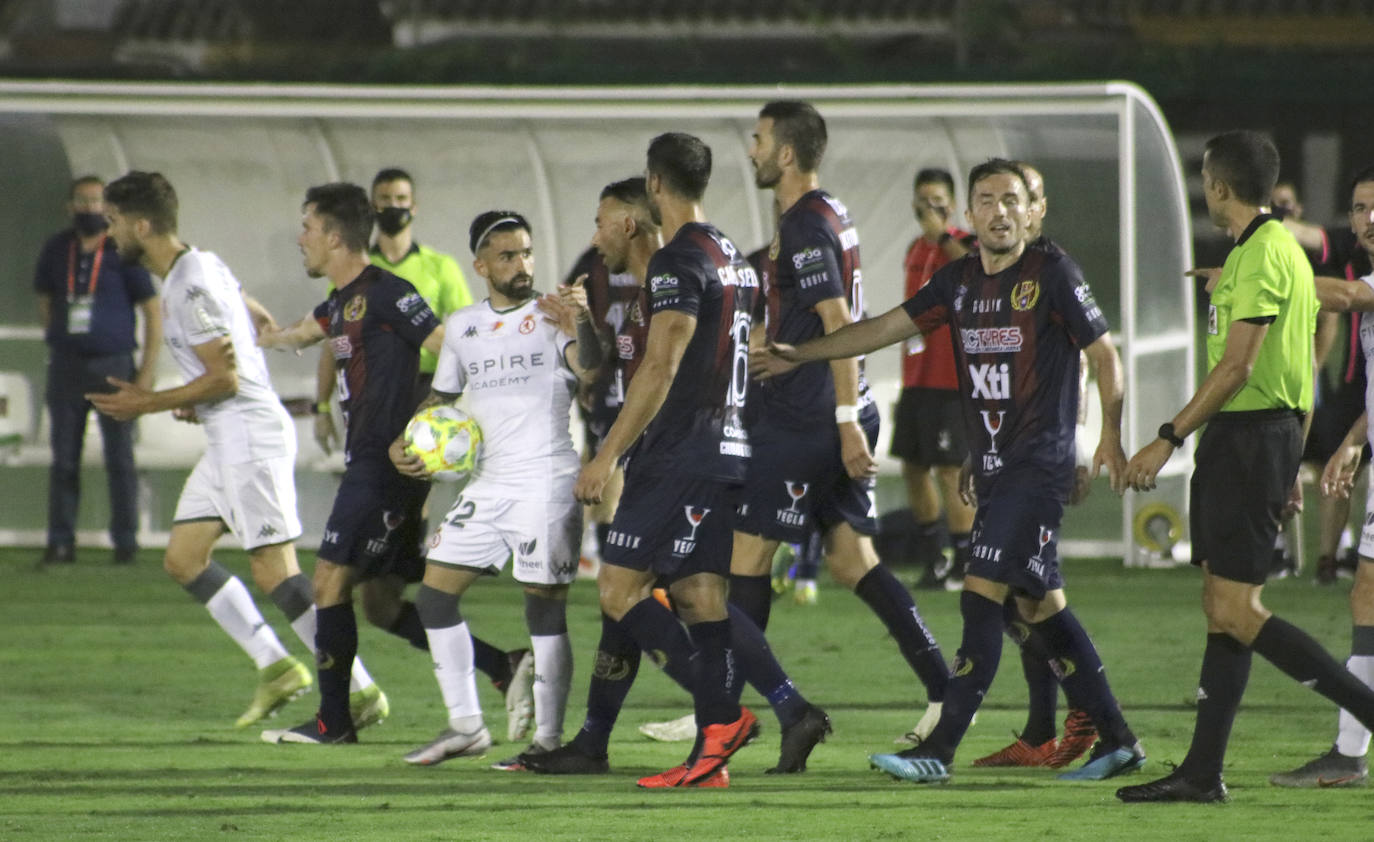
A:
<point x="447" y="440"/>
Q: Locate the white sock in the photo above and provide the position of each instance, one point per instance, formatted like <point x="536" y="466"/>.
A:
<point x="1352" y="740"/>
<point x="304" y="627"/>
<point x="233" y="608"/>
<point x="451" y="649"/>
<point x="553" y="666"/>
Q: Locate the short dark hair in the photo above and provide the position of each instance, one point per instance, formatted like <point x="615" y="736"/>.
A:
<point x="683" y="161"/>
<point x="345" y="209"/>
<point x="81" y="181"/>
<point x="1361" y="177"/>
<point x="1247" y="162"/>
<point x="934" y="175"/>
<point x="494" y="222"/>
<point x="995" y="166"/>
<point x="389" y="174"/>
<point x="632" y="192"/>
<point x="799" y="125"/>
<point x="148" y="195"/>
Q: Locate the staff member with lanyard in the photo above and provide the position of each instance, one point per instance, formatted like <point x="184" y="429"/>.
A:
<point x="86" y="300"/>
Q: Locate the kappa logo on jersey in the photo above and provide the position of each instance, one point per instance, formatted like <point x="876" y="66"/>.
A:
<point x="616" y="538"/>
<point x="1024" y="295"/>
<point x="356" y="308"/>
<point x="792" y="516"/>
<point x="992" y="422"/>
<point x="192" y="293"/>
<point x="408" y="302"/>
<point x="991" y="340"/>
<point x="991" y="381"/>
<point x="805" y="257"/>
<point x="695" y="515"/>
<point x="527" y="324"/>
<point x="470" y="332"/>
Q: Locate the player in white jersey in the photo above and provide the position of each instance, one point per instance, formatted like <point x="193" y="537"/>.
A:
<point x="244" y="482"/>
<point x="515" y="359"/>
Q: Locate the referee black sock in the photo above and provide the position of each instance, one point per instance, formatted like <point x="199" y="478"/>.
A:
<point x="1079" y="669"/>
<point x="408" y="627"/>
<point x="613" y="673"/>
<point x="894" y="606"/>
<point x="713" y="696"/>
<point x="491" y="662"/>
<point x="974" y="670"/>
<point x="1225" y="672"/>
<point x="762" y="670"/>
<point x="753" y="595"/>
<point x="1042" y="687"/>
<point x="336" y="645"/>
<point x="1304" y="660"/>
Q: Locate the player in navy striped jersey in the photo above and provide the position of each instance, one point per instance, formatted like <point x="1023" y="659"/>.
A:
<point x="1020" y="314"/>
<point x="813" y="428"/>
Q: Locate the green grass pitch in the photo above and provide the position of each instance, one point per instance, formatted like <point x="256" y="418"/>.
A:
<point x="118" y="696"/>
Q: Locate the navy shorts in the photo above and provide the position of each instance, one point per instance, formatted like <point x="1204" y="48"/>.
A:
<point x="1015" y="540"/>
<point x="375" y="524"/>
<point x="796" y="484"/>
<point x="928" y="427"/>
<point x="672" y="527"/>
<point x="1244" y="468"/>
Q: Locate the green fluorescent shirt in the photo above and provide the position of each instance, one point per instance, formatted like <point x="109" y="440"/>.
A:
<point x="436" y="277"/>
<point x="1267" y="274"/>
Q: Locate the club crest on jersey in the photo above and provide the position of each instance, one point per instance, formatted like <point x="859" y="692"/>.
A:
<point x="695" y="515"/>
<point x="527" y="324"/>
<point x="1025" y="294"/>
<point x="356" y="308"/>
<point x="791" y="516"/>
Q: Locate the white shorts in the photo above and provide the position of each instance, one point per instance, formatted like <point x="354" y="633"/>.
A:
<point x="255" y="500"/>
<point x="544" y="537"/>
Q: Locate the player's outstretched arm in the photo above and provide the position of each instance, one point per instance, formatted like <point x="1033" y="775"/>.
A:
<point x="858" y="459"/>
<point x="1338" y="477"/>
<point x="1103" y="359"/>
<point x="303" y="333"/>
<point x="1342" y="296"/>
<point x="861" y="337"/>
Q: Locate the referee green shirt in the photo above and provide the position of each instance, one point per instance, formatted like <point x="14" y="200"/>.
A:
<point x="1267" y="275"/>
<point x="436" y="277"/>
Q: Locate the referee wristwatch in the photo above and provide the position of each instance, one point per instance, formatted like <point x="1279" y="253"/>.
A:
<point x="1166" y="432"/>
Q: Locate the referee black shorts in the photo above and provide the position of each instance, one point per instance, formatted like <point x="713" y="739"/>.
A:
<point x="1245" y="467"/>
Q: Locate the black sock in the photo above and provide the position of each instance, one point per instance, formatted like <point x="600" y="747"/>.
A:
<point x="716" y="673"/>
<point x="1225" y="671"/>
<point x="491" y="661"/>
<point x="762" y="670"/>
<point x="928" y="543"/>
<point x="974" y="670"/>
<point x="962" y="542"/>
<point x="894" y="606"/>
<point x="1303" y="659"/>
<point x="1079" y="669"/>
<point x="336" y="645"/>
<point x="656" y="630"/>
<point x="613" y="673"/>
<point x="754" y="596"/>
<point x="408" y="626"/>
<point x="1042" y="688"/>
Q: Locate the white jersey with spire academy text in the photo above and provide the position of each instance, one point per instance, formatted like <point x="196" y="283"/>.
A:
<point x="510" y="368"/>
<point x="201" y="301"/>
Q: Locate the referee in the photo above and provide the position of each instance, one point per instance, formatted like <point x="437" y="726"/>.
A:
<point x="1257" y="392"/>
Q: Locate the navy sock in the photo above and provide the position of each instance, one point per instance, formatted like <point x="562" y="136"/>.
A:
<point x="716" y="674"/>
<point x="753" y="595"/>
<point x="1079" y="669"/>
<point x="1225" y="672"/>
<point x="491" y="661"/>
<point x="809" y="554"/>
<point x="762" y="670"/>
<point x="1042" y="688"/>
<point x="408" y="627"/>
<point x="613" y="673"/>
<point x="656" y="630"/>
<point x="336" y="645"/>
<point x="1303" y="659"/>
<point x="928" y="543"/>
<point x="974" y="670"/>
<point x="894" y="606"/>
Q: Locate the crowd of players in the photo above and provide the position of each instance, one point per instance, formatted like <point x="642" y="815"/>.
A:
<point x="729" y="411"/>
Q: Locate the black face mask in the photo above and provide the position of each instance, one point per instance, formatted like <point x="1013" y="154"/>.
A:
<point x="393" y="221"/>
<point x="89" y="224"/>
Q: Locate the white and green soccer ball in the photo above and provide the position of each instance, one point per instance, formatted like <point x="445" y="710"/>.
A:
<point x="447" y="440"/>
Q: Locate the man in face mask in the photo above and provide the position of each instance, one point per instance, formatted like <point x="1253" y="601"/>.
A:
<point x="86" y="302"/>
